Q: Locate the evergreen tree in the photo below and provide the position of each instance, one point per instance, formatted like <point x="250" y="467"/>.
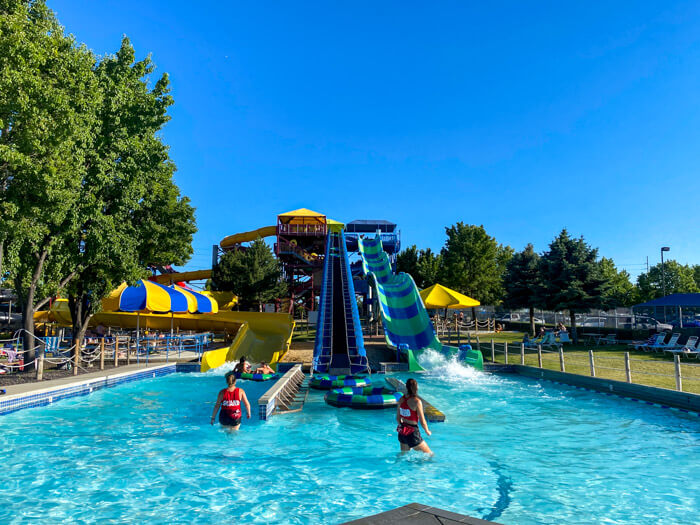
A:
<point x="253" y="274"/>
<point x="429" y="268"/>
<point x="474" y="263"/>
<point x="572" y="277"/>
<point x="523" y="286"/>
<point x="407" y="262"/>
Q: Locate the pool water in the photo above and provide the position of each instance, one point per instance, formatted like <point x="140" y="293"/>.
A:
<point x="512" y="450"/>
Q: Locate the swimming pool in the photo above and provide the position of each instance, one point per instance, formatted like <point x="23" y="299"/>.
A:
<point x="513" y="450"/>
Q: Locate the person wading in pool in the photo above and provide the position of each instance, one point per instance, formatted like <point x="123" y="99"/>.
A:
<point x="230" y="400"/>
<point x="408" y="413"/>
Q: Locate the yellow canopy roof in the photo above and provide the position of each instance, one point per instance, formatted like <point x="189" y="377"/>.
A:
<point x="335" y="226"/>
<point x="301" y="216"/>
<point x="439" y="296"/>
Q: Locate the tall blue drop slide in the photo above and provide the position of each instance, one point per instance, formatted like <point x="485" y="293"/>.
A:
<point x="339" y="347"/>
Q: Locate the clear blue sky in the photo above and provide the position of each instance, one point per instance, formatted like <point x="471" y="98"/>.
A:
<point x="523" y="118"/>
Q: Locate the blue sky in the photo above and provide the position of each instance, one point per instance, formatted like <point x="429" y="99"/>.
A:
<point x="524" y="118"/>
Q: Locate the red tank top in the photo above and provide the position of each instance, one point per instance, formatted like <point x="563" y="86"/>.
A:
<point x="406" y="413"/>
<point x="231" y="403"/>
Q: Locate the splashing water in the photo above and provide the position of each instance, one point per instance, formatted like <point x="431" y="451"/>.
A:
<point x="450" y="369"/>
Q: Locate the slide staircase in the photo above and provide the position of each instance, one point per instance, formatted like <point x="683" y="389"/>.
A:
<point x="339" y="347"/>
<point x="407" y="325"/>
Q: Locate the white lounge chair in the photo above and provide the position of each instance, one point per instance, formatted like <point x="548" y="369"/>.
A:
<point x="639" y="345"/>
<point x="549" y="341"/>
<point x="660" y="347"/>
<point x="689" y="348"/>
<point x="564" y="337"/>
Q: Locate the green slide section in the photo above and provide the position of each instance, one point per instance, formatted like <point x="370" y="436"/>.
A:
<point x="407" y="325"/>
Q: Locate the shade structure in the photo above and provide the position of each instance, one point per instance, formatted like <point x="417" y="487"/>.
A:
<point x="146" y="297"/>
<point x="197" y="302"/>
<point x="439" y="296"/>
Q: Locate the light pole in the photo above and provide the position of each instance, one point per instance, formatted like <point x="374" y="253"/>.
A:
<point x="663" y="275"/>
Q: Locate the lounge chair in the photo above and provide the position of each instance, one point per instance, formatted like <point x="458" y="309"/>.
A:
<point x="564" y="337"/>
<point x="549" y="341"/>
<point x="660" y="347"/>
<point x="609" y="339"/>
<point x="690" y="347"/>
<point x="638" y="345"/>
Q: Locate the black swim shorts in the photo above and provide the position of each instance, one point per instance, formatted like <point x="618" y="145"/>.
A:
<point x="409" y="435"/>
<point x="225" y="420"/>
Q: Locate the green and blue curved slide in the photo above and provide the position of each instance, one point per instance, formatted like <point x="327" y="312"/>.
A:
<point x="407" y="325"/>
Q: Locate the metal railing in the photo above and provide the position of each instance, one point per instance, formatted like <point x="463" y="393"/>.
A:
<point x="665" y="374"/>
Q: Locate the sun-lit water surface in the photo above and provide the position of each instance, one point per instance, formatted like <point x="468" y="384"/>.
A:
<point x="512" y="450"/>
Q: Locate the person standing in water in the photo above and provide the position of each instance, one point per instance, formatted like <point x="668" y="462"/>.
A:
<point x="229" y="401"/>
<point x="408" y="413"/>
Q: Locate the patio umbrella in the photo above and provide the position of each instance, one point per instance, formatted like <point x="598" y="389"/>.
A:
<point x="438" y="296"/>
<point x="145" y="297"/>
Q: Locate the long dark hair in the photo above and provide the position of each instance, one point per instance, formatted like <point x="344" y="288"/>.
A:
<point x="411" y="388"/>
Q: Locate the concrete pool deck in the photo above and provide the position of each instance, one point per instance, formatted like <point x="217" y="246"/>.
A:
<point x="417" y="514"/>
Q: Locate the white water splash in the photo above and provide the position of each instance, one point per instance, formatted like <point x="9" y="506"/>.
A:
<point x="450" y="369"/>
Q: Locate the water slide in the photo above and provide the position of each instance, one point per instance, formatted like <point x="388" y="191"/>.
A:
<point x="238" y="238"/>
<point x="339" y="347"/>
<point x="407" y="325"/>
<point x="258" y="336"/>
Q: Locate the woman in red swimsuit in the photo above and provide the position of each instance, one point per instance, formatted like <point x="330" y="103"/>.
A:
<point x="408" y="413"/>
<point x="230" y="400"/>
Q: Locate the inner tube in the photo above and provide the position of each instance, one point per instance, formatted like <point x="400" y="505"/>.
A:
<point x="254" y="377"/>
<point x="326" y="382"/>
<point x="363" y="397"/>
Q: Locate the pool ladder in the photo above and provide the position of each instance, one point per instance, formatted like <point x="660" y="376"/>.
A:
<point x="293" y="397"/>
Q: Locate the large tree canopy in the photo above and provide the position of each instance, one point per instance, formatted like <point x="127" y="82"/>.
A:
<point x="474" y="262"/>
<point x="252" y="274"/>
<point x="572" y="277"/>
<point x="87" y="192"/>
<point x="620" y="290"/>
<point x="522" y="283"/>
<point x="680" y="278"/>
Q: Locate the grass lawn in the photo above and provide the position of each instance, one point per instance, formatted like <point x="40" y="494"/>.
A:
<point x="646" y="368"/>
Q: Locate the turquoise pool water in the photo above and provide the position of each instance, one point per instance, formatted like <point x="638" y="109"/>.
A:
<point x="513" y="450"/>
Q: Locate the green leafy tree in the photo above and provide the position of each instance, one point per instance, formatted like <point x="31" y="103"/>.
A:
<point x="130" y="211"/>
<point x="572" y="277"/>
<point x="407" y="262"/>
<point x="696" y="275"/>
<point x="680" y="278"/>
<point x="253" y="274"/>
<point x="620" y="290"/>
<point x="48" y="96"/>
<point x="522" y="283"/>
<point x="429" y="268"/>
<point x="474" y="262"/>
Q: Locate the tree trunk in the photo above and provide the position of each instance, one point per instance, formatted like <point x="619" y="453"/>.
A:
<point x="574" y="335"/>
<point x="80" y="314"/>
<point x="532" y="321"/>
<point x="28" y="323"/>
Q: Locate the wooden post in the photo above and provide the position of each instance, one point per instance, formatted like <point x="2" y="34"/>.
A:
<point x="102" y="353"/>
<point x="591" y="362"/>
<point x="128" y="354"/>
<point x="539" y="356"/>
<point x="40" y="364"/>
<point x="505" y="351"/>
<point x="493" y="351"/>
<point x="679" y="379"/>
<point x="116" y="351"/>
<point x="561" y="360"/>
<point x="522" y="353"/>
<point x="628" y="371"/>
<point x="76" y="359"/>
<point x="478" y="344"/>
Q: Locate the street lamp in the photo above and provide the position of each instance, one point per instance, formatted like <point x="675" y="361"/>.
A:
<point x="663" y="275"/>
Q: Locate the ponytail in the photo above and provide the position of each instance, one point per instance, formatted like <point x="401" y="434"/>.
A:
<point x="411" y="388"/>
<point x="230" y="379"/>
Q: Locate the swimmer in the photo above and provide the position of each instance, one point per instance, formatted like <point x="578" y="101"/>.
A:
<point x="408" y="413"/>
<point x="229" y="400"/>
<point x="264" y="369"/>
<point x="242" y="367"/>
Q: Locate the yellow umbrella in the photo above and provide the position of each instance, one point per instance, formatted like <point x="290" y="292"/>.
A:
<point x="439" y="296"/>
